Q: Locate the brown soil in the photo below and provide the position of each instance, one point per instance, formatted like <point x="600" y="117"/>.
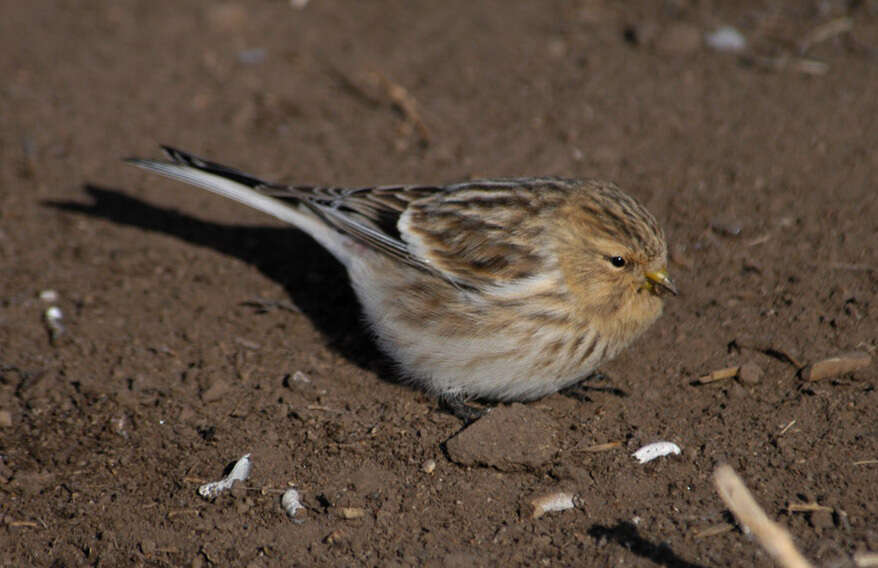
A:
<point x="762" y="167"/>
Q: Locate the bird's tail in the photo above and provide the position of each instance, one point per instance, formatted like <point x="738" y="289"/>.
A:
<point x="246" y="189"/>
<point x="221" y="180"/>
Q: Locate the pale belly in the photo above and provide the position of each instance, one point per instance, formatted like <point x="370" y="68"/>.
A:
<point x="450" y="346"/>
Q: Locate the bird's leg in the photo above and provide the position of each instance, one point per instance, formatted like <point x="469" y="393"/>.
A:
<point x="455" y="406"/>
<point x="579" y="390"/>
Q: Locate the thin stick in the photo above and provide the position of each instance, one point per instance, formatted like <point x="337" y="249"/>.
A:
<point x="787" y="427"/>
<point x="719" y="375"/>
<point x="808" y="508"/>
<point x="603" y="447"/>
<point x="715" y="530"/>
<point x="773" y="537"/>
<point x="825" y="32"/>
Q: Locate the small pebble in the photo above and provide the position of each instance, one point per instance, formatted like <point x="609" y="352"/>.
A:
<point x="726" y="39"/>
<point x="147" y="547"/>
<point x="750" y="374"/>
<point x="350" y="513"/>
<point x="5" y="419"/>
<point x="737" y="391"/>
<point x="727" y="227"/>
<point x="509" y="438"/>
<point x="821" y="520"/>
<point x="216" y="391"/>
<point x="838" y="365"/>
<point x="117" y="425"/>
<point x="557" y="48"/>
<point x="551" y="503"/>
<point x="429" y="466"/>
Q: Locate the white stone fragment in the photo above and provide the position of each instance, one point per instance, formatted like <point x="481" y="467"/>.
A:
<point x="551" y="503"/>
<point x="726" y="39"/>
<point x="240" y="472"/>
<point x="53" y="317"/>
<point x="54" y="314"/>
<point x="655" y="450"/>
<point x="300" y="377"/>
<point x="49" y="296"/>
<point x="291" y="503"/>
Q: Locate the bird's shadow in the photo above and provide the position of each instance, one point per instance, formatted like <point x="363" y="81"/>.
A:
<point x="315" y="282"/>
<point x="625" y="534"/>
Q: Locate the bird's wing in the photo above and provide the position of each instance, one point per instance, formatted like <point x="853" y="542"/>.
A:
<point x="367" y="215"/>
<point x="473" y="234"/>
<point x="484" y="233"/>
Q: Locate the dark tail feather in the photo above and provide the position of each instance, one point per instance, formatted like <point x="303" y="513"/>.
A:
<point x="186" y="159"/>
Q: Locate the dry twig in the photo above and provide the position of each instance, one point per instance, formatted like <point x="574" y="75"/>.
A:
<point x="808" y="508"/>
<point x="772" y="536"/>
<point x="786" y="428"/>
<point x="826" y="32"/>
<point x="718" y="375"/>
<point x="602" y="447"/>
<point x="715" y="530"/>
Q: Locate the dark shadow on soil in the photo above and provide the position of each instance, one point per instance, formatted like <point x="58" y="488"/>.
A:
<point x="625" y="534"/>
<point x="314" y="280"/>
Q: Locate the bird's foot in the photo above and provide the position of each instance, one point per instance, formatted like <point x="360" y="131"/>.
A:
<point x="455" y="406"/>
<point x="580" y="390"/>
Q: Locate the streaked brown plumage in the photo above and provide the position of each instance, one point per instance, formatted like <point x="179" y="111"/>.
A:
<point x="497" y="289"/>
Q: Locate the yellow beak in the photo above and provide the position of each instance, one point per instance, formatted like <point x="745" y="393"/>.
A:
<point x="660" y="279"/>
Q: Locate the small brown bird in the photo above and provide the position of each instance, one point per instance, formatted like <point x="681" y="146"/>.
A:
<point x="506" y="289"/>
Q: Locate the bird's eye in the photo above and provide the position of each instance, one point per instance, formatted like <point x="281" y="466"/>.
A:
<point x="617" y="261"/>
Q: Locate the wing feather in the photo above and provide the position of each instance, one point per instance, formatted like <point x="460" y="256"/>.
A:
<point x="476" y="233"/>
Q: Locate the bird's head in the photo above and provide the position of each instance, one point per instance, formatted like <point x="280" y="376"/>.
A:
<point x="614" y="257"/>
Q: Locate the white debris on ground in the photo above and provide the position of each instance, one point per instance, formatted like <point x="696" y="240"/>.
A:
<point x="49" y="296"/>
<point x="551" y="503"/>
<point x="726" y="39"/>
<point x="655" y="450"/>
<point x="300" y="377"/>
<point x="240" y="472"/>
<point x="53" y="317"/>
<point x="291" y="502"/>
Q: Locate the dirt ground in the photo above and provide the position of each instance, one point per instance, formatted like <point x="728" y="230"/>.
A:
<point x="196" y="331"/>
